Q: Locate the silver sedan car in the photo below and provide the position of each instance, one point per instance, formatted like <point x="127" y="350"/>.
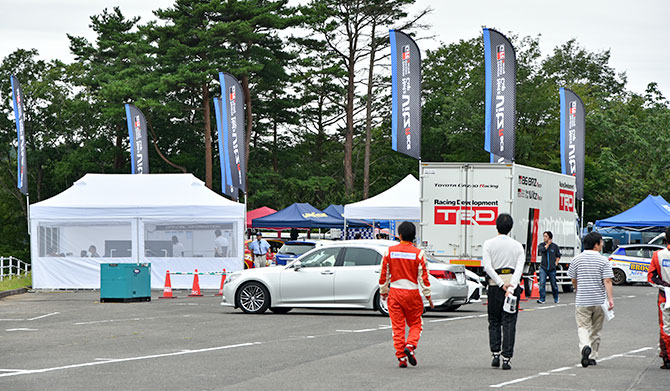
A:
<point x="342" y="274"/>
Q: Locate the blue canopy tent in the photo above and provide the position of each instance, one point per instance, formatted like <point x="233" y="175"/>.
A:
<point x="298" y="215"/>
<point x="652" y="212"/>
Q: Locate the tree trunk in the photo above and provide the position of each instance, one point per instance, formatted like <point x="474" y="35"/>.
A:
<point x="349" y="134"/>
<point x="118" y="159"/>
<point x="247" y="141"/>
<point x="368" y="115"/>
<point x="275" y="162"/>
<point x="208" y="136"/>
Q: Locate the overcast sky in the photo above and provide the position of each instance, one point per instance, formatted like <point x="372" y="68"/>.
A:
<point x="635" y="32"/>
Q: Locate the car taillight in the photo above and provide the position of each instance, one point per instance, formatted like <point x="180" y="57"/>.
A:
<point x="443" y="274"/>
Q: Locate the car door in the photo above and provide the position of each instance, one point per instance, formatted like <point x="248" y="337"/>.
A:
<point x="313" y="282"/>
<point x="358" y="276"/>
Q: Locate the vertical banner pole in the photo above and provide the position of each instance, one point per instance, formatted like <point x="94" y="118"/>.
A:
<point x="28" y="212"/>
<point x="581" y="222"/>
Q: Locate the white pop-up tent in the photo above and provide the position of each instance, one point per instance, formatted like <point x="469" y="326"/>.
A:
<point x="400" y="202"/>
<point x="172" y="221"/>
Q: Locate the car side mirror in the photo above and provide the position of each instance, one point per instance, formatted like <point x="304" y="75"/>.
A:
<point x="297" y="266"/>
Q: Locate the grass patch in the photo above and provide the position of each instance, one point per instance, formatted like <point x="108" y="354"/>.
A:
<point x="16" y="282"/>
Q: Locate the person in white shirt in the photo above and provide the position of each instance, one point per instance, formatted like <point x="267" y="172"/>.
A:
<point x="503" y="260"/>
<point x="591" y="275"/>
<point x="177" y="247"/>
<point x="220" y="245"/>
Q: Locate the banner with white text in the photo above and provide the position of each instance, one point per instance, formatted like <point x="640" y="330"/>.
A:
<point x="573" y="132"/>
<point x="406" y="95"/>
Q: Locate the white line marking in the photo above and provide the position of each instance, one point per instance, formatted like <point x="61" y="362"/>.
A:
<point x="631" y="296"/>
<point x="21" y="329"/>
<point x="93" y="363"/>
<point x="112" y="320"/>
<point x="634" y="356"/>
<point x="44" y="316"/>
<point x="456" y="318"/>
<point x="507" y="383"/>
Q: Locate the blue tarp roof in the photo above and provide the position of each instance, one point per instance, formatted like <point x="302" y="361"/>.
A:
<point x="298" y="215"/>
<point x="337" y="211"/>
<point x="653" y="211"/>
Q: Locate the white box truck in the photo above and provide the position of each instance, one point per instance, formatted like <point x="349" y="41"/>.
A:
<point x="461" y="201"/>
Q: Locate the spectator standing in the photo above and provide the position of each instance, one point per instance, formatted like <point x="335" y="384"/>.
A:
<point x="659" y="275"/>
<point x="551" y="255"/>
<point x="591" y="275"/>
<point x="403" y="273"/>
<point x="220" y="244"/>
<point x="503" y="259"/>
<point x="259" y="248"/>
<point x="177" y="247"/>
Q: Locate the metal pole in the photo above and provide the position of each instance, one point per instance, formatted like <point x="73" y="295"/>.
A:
<point x="28" y="212"/>
<point x="581" y="221"/>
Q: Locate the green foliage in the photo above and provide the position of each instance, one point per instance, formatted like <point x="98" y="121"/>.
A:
<point x="298" y="87"/>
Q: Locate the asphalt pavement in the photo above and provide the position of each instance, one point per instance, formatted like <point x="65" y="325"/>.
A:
<point x="70" y="341"/>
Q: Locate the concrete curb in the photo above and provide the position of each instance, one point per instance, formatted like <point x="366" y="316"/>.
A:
<point x="13" y="292"/>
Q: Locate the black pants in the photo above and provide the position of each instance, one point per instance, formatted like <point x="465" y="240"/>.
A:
<point x="500" y="319"/>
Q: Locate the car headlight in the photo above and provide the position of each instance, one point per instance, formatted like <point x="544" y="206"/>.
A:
<point x="232" y="278"/>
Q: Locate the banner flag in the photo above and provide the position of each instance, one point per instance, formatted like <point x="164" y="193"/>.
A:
<point x="406" y="94"/>
<point x="573" y="132"/>
<point x="137" y="131"/>
<point x="19" y="116"/>
<point x="227" y="187"/>
<point x="232" y="121"/>
<point x="500" y="96"/>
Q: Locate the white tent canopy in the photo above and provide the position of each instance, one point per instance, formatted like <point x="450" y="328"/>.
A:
<point x="168" y="220"/>
<point x="400" y="202"/>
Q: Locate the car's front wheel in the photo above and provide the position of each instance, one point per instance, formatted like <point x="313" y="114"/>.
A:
<point x="619" y="277"/>
<point x="381" y="305"/>
<point x="253" y="298"/>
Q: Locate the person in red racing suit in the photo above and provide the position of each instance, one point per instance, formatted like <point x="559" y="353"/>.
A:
<point x="659" y="275"/>
<point x="404" y="271"/>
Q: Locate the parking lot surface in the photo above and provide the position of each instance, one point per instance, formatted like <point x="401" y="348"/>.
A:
<point x="70" y="341"/>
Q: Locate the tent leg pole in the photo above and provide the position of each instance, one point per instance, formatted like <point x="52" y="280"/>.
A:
<point x="345" y="229"/>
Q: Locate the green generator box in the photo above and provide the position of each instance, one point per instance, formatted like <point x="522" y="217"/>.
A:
<point x="125" y="282"/>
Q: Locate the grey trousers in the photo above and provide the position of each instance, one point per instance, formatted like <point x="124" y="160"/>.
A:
<point x="260" y="260"/>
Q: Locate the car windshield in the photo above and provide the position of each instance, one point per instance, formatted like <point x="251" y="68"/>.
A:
<point x="295" y="249"/>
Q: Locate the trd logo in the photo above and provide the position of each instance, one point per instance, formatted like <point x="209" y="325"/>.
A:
<point x="566" y="200"/>
<point x="466" y="215"/>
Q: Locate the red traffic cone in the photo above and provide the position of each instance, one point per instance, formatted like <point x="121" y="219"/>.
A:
<point x="223" y="279"/>
<point x="167" y="291"/>
<point x="535" y="293"/>
<point x="523" y="291"/>
<point x="195" y="291"/>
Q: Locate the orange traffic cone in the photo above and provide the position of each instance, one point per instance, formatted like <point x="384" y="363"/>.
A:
<point x="195" y="291"/>
<point x="167" y="291"/>
<point x="535" y="293"/>
<point x="523" y="291"/>
<point x="223" y="279"/>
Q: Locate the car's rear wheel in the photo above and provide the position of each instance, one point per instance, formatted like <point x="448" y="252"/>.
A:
<point x="619" y="277"/>
<point x="253" y="298"/>
<point x="452" y="307"/>
<point x="280" y="310"/>
<point x="381" y="306"/>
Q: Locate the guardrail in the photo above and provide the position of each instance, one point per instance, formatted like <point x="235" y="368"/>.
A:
<point x="12" y="266"/>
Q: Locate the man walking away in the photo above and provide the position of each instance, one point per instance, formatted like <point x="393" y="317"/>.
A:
<point x="550" y="254"/>
<point x="591" y="275"/>
<point x="404" y="270"/>
<point x="259" y="248"/>
<point x="659" y="275"/>
<point x="503" y="259"/>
